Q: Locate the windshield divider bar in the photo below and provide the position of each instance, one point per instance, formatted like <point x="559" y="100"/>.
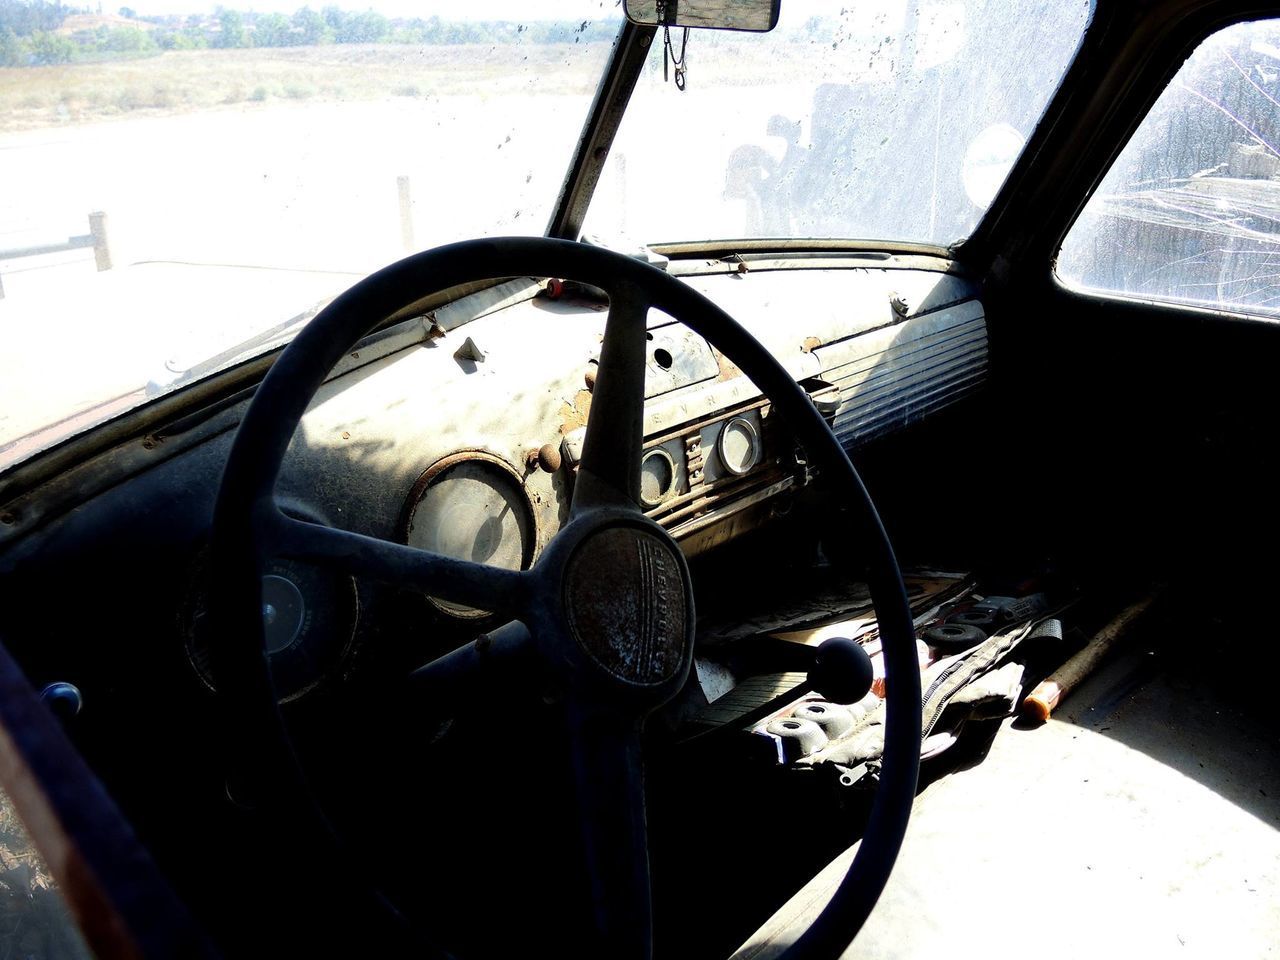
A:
<point x="626" y="62"/>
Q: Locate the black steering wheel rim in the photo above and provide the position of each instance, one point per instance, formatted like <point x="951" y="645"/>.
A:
<point x="246" y="511"/>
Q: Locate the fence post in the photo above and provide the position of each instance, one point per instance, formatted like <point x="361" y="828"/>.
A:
<point x="406" y="214"/>
<point x="101" y="249"/>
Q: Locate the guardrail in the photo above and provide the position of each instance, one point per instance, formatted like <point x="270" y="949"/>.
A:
<point x="96" y="238"/>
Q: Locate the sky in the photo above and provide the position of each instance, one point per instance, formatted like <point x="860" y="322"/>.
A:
<point x="517" y="10"/>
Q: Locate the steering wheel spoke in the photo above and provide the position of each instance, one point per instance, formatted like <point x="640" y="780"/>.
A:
<point x="609" y="474"/>
<point x="493" y="589"/>
<point x="494" y="656"/>
<point x="609" y="779"/>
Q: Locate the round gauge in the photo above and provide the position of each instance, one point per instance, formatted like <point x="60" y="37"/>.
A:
<point x="739" y="446"/>
<point x="657" y="477"/>
<point x="309" y="619"/>
<point x="470" y="506"/>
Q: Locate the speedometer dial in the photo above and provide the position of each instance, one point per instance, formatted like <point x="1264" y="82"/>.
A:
<point x="470" y="506"/>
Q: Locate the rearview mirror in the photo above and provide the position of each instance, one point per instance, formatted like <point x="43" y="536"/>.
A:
<point x="756" y="16"/>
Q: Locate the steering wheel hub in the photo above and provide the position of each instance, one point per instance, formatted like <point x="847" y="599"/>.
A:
<point x="628" y="604"/>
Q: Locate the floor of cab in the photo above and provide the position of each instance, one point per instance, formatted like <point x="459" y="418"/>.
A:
<point x="1143" y="821"/>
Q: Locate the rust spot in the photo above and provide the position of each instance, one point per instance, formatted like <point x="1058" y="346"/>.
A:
<point x="574" y="415"/>
<point x="810" y="344"/>
<point x="728" y="369"/>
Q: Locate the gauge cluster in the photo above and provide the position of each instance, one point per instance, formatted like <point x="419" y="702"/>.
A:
<point x="712" y="468"/>
<point x="695" y="474"/>
<point x="701" y="472"/>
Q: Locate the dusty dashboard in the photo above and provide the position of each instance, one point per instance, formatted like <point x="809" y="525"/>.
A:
<point x="468" y="441"/>
<point x="460" y="431"/>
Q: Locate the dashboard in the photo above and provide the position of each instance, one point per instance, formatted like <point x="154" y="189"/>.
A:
<point x="460" y="431"/>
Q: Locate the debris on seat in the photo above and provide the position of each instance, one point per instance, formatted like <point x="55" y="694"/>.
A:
<point x="972" y="650"/>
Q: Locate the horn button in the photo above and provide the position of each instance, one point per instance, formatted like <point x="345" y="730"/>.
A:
<point x="627" y="605"/>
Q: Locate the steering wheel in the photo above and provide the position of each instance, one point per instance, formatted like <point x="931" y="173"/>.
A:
<point x="607" y="608"/>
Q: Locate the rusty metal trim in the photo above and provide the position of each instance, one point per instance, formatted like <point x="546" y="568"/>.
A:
<point x="720" y="497"/>
<point x="793" y="246"/>
<point x="717" y="514"/>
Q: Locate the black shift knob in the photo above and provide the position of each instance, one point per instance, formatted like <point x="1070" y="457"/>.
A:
<point x="841" y="670"/>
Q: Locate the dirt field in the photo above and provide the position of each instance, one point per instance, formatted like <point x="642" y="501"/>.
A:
<point x="226" y="218"/>
<point x="189" y="80"/>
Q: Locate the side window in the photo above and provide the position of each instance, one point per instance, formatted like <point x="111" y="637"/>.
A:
<point x="1190" y="212"/>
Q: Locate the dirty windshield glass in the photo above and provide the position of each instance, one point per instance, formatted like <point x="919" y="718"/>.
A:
<point x="867" y="119"/>
<point x="180" y="176"/>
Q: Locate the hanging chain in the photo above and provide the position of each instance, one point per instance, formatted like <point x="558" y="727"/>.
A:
<point x="669" y="51"/>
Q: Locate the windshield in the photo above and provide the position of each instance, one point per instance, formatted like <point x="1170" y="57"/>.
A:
<point x="181" y="177"/>
<point x="187" y="183"/>
<point x="871" y="119"/>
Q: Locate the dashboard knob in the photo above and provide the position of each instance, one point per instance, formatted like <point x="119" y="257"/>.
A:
<point x="64" y="700"/>
<point x="548" y="457"/>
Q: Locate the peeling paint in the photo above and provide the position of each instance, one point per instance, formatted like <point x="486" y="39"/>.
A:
<point x="574" y="415"/>
<point x="728" y="369"/>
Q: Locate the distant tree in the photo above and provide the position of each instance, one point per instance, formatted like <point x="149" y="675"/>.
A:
<point x="128" y="13"/>
<point x="49" y="48"/>
<point x="414" y="31"/>
<point x="271" y="30"/>
<point x="335" y="18"/>
<point x="231" y="32"/>
<point x="188" y="38"/>
<point x="312" y="28"/>
<point x="25" y="17"/>
<point x="129" y="40"/>
<point x="367" y="27"/>
<point x="12" y="53"/>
